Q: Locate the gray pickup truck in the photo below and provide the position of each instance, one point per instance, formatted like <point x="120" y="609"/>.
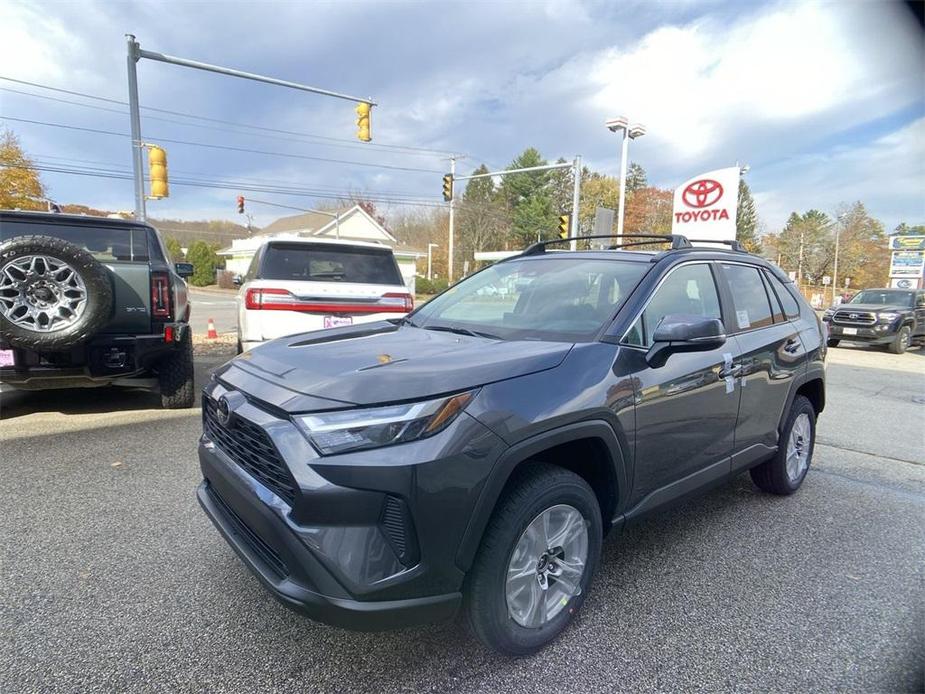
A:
<point x="90" y="301"/>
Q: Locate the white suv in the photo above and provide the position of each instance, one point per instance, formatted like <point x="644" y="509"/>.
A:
<point x="298" y="285"/>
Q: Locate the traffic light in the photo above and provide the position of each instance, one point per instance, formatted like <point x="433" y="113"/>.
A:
<point x="448" y="187"/>
<point x="565" y="221"/>
<point x="157" y="172"/>
<point x="240" y="204"/>
<point x="363" y="111"/>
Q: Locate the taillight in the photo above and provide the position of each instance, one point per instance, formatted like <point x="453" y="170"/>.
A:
<point x="263" y="299"/>
<point x="160" y="296"/>
<point x="407" y="303"/>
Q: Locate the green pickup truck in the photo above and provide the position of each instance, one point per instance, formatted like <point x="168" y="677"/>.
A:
<point x="91" y="301"/>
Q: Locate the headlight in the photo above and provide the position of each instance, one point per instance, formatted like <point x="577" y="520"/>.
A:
<point x="350" y="430"/>
<point x="887" y="316"/>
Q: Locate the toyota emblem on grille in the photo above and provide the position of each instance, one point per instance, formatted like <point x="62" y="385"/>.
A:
<point x="853" y="316"/>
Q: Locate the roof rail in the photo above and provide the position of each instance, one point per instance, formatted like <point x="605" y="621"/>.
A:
<point x="733" y="244"/>
<point x="676" y="240"/>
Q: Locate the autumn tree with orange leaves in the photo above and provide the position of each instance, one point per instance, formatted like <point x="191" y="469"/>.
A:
<point x="20" y="185"/>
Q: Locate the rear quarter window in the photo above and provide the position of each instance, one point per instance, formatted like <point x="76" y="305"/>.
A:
<point x="317" y="263"/>
<point x="105" y="243"/>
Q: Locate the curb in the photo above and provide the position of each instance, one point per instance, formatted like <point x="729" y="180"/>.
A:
<point x="213" y="290"/>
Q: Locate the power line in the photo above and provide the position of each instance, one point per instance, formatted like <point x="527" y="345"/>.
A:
<point x="378" y="145"/>
<point x="230" y="148"/>
<point x="99" y="173"/>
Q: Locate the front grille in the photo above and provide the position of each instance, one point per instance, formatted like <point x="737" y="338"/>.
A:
<point x="848" y="317"/>
<point x="249" y="446"/>
<point x="267" y="554"/>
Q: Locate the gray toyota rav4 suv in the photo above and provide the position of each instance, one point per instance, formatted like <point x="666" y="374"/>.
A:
<point x="472" y="455"/>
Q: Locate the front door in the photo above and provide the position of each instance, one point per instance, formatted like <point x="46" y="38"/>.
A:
<point x="686" y="409"/>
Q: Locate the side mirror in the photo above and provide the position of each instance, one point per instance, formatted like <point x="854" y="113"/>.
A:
<point x="684" y="333"/>
<point x="237" y="280"/>
<point x="184" y="269"/>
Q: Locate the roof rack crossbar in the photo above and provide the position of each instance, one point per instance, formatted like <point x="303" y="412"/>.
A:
<point x="733" y="244"/>
<point x="676" y="240"/>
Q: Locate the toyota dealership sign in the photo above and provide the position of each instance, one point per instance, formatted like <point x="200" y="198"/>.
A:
<point x="705" y="206"/>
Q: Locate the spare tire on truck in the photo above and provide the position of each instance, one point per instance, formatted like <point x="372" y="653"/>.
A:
<point x="53" y="295"/>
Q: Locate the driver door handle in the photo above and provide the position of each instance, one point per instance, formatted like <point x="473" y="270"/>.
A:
<point x="732" y="370"/>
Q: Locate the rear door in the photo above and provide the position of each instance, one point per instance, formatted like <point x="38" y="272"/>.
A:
<point x="769" y="354"/>
<point x="123" y="250"/>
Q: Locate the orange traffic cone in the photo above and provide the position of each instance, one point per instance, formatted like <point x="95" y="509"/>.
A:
<point x="212" y="334"/>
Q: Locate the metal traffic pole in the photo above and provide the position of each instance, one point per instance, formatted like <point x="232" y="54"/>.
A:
<point x="449" y="248"/>
<point x="576" y="197"/>
<point x="135" y="117"/>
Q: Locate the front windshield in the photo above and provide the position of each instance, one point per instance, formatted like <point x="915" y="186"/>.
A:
<point x="882" y="296"/>
<point x="557" y="299"/>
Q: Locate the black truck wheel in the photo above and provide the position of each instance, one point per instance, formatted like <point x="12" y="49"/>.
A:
<point x="901" y="342"/>
<point x="53" y="295"/>
<point x="175" y="376"/>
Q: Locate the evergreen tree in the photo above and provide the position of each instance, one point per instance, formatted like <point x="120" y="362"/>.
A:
<point x="747" y="220"/>
<point x="635" y="178"/>
<point x="204" y="261"/>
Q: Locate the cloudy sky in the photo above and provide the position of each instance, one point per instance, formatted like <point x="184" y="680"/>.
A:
<point x="824" y="100"/>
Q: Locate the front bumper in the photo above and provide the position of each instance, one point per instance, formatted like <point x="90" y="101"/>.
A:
<point x="877" y="334"/>
<point x="327" y="545"/>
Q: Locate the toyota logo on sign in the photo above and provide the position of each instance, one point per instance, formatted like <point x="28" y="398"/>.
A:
<point x="702" y="193"/>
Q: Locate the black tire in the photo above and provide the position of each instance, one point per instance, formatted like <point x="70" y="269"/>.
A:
<point x="99" y="302"/>
<point x="902" y="340"/>
<point x="175" y="376"/>
<point x="541" y="487"/>
<point x="832" y="343"/>
<point x="771" y="476"/>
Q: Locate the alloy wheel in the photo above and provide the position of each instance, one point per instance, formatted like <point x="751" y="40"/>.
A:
<point x="799" y="446"/>
<point x="547" y="566"/>
<point x="41" y="293"/>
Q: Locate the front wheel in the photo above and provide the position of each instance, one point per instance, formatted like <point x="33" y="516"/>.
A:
<point x="538" y="556"/>
<point x="832" y="343"/>
<point x="784" y="473"/>
<point x="901" y="342"/>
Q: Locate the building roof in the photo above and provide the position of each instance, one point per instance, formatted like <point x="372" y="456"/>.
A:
<point x="307" y="222"/>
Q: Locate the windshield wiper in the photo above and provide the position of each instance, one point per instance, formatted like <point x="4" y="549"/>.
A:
<point x="462" y="331"/>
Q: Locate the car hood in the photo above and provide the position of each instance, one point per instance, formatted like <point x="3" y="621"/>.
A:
<point x="874" y="308"/>
<point x="380" y="362"/>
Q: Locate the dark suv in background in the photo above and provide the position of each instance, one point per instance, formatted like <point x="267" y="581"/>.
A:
<point x="92" y="301"/>
<point x="474" y="454"/>
<point x="892" y="318"/>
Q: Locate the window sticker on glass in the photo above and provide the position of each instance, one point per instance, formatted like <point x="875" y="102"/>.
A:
<point x="742" y="318"/>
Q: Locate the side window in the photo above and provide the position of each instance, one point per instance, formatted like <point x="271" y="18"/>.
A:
<point x="689" y="289"/>
<point x="749" y="298"/>
<point x="252" y="268"/>
<point x="791" y="307"/>
<point x="775" y="303"/>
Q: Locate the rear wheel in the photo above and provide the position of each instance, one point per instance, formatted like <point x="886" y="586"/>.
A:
<point x="784" y="473"/>
<point x="832" y="343"/>
<point x="536" y="562"/>
<point x="175" y="376"/>
<point x="901" y="342"/>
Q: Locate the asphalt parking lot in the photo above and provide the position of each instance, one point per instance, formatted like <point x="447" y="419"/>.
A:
<point x="113" y="580"/>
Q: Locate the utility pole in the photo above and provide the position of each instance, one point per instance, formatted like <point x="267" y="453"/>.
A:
<point x="800" y="259"/>
<point x="449" y="248"/>
<point x="576" y="197"/>
<point x="838" y="224"/>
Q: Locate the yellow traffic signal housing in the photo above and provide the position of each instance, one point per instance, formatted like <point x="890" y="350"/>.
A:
<point x="565" y="221"/>
<point x="157" y="172"/>
<point x="363" y="125"/>
<point x="448" y="187"/>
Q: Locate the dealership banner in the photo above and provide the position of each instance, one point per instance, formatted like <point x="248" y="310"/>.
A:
<point x="705" y="205"/>
<point x="907" y="263"/>
<point x="907" y="243"/>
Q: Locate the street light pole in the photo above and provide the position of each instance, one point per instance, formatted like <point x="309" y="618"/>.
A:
<point x="430" y="247"/>
<point x="841" y="220"/>
<point x="630" y="132"/>
<point x="576" y="198"/>
<point x="135" y="118"/>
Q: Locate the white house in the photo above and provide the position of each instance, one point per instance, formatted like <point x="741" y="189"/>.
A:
<point x="354" y="225"/>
